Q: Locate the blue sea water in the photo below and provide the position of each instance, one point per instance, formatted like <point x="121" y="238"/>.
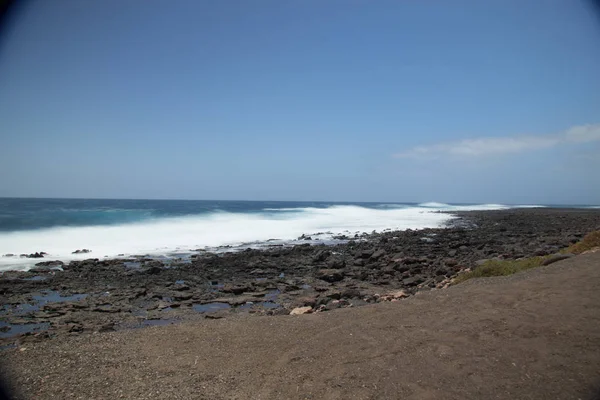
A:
<point x="26" y="214"/>
<point x="112" y="228"/>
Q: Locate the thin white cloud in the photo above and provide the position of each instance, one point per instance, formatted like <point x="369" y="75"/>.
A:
<point x="504" y="145"/>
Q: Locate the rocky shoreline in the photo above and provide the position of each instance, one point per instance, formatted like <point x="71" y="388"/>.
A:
<point x="101" y="295"/>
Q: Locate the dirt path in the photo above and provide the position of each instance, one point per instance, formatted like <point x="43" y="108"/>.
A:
<point x="534" y="335"/>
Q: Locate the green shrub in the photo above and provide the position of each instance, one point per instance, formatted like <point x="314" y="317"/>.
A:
<point x="509" y="267"/>
<point x="501" y="268"/>
<point x="590" y="241"/>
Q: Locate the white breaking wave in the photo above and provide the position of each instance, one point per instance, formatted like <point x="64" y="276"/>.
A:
<point x="448" y="207"/>
<point x="433" y="204"/>
<point x="166" y="235"/>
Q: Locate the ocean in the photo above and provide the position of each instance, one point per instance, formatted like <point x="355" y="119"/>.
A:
<point x="176" y="228"/>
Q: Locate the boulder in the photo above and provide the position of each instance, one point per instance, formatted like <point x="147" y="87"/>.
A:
<point x="55" y="263"/>
<point x="321" y="255"/>
<point x="35" y="255"/>
<point x="330" y="275"/>
<point x="365" y="253"/>
<point x="82" y="251"/>
<point x="236" y="289"/>
<point x="153" y="270"/>
<point x="182" y="296"/>
<point x="301" y="310"/>
<point x="350" y="293"/>
<point x="412" y="281"/>
<point x="306" y="301"/>
<point x="377" y="255"/>
<point x="400" y="294"/>
<point x="401" y="267"/>
<point x="451" y="262"/>
<point x="336" y="263"/>
<point x="556" y="257"/>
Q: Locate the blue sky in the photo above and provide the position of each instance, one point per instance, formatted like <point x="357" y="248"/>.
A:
<point x="454" y="101"/>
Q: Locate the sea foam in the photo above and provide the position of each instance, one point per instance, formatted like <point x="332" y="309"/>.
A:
<point x="165" y="235"/>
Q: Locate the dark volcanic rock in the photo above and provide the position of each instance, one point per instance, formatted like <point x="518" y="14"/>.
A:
<point x="555" y="258"/>
<point x="336" y="263"/>
<point x="82" y="251"/>
<point x="412" y="281"/>
<point x="236" y="289"/>
<point x="350" y="293"/>
<point x="34" y="255"/>
<point x="321" y="255"/>
<point x="55" y="263"/>
<point x="377" y="255"/>
<point x="330" y="275"/>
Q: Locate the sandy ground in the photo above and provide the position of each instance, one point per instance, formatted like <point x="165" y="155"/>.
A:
<point x="534" y="335"/>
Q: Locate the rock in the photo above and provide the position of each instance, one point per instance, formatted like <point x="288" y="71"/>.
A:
<point x="321" y="255"/>
<point x="336" y="263"/>
<point x="161" y="305"/>
<point x="359" y="262"/>
<point x="107" y="327"/>
<point x="401" y="267"/>
<point x="333" y="294"/>
<point x="215" y="315"/>
<point x="306" y="301"/>
<point x="181" y="287"/>
<point x="350" y="293"/>
<point x="35" y="255"/>
<point x="236" y="289"/>
<point x="55" y="263"/>
<point x="41" y="269"/>
<point x="556" y="257"/>
<point x="378" y="254"/>
<point x="82" y="251"/>
<point x="411" y="260"/>
<point x="153" y="270"/>
<point x="107" y="309"/>
<point x="451" y="262"/>
<point x="301" y="310"/>
<point x="9" y="255"/>
<point x="400" y="294"/>
<point x="182" y="296"/>
<point x="365" y="253"/>
<point x="412" y="281"/>
<point x="74" y="328"/>
<point x="330" y="275"/>
<point x="451" y="253"/>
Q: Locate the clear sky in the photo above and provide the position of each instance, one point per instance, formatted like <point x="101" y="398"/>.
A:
<point x="450" y="101"/>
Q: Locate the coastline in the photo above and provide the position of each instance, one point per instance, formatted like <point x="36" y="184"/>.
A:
<point x="113" y="294"/>
<point x="534" y="335"/>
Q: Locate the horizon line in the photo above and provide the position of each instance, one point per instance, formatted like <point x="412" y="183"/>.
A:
<point x="299" y="201"/>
